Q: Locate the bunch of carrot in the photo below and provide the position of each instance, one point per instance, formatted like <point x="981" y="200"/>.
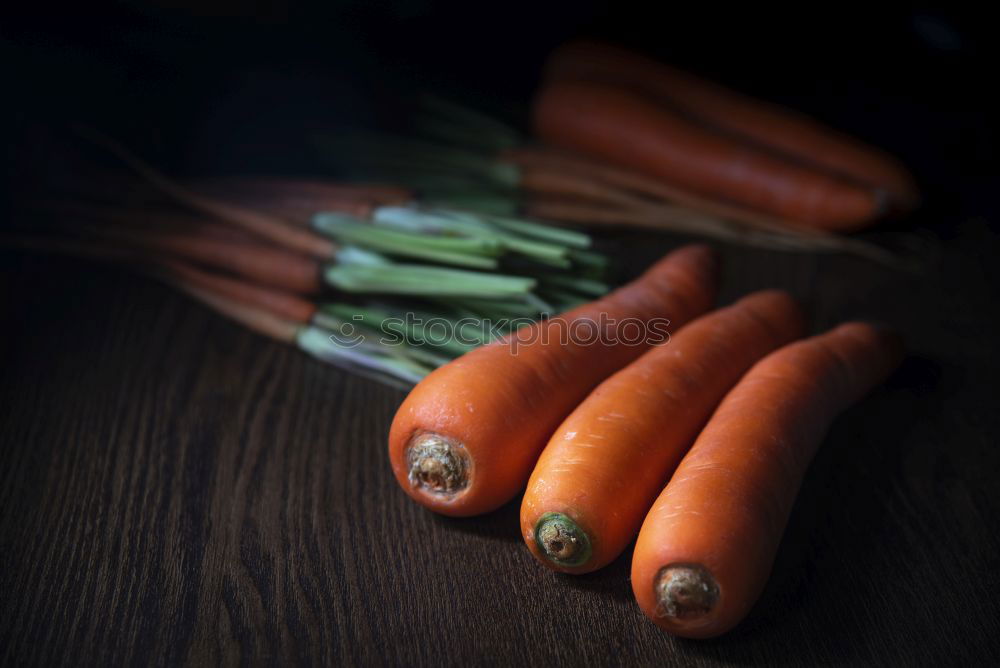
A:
<point x="677" y="128"/>
<point x="267" y="252"/>
<point x="630" y="141"/>
<point x="697" y="445"/>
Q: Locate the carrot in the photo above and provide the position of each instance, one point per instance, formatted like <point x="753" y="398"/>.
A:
<point x="769" y="125"/>
<point x="213" y="245"/>
<point x="132" y="219"/>
<point x="323" y="193"/>
<point x="298" y="201"/>
<point x="280" y="303"/>
<point x="609" y="459"/>
<point x="708" y="543"/>
<point x="233" y="303"/>
<point x="625" y="129"/>
<point x="218" y="245"/>
<point x="464" y="440"/>
<point x="650" y="188"/>
<point x="259" y="320"/>
<point x="567" y="183"/>
<point x="263" y="225"/>
<point x="300" y="210"/>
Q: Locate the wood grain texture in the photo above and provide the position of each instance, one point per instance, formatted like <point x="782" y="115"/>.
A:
<point x="176" y="490"/>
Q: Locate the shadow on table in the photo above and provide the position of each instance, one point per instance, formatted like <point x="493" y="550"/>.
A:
<point x="503" y="524"/>
<point x="613" y="581"/>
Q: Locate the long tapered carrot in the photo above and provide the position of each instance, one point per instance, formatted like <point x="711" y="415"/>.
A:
<point x="645" y="202"/>
<point x="609" y="459"/>
<point x="276" y="315"/>
<point x="298" y="200"/>
<point x="669" y="217"/>
<point x="569" y="163"/>
<point x="768" y="124"/>
<point x="175" y="271"/>
<point x="627" y="130"/>
<point x="707" y="545"/>
<point x="207" y="245"/>
<point x="142" y="219"/>
<point x="282" y="304"/>
<point x="298" y="210"/>
<point x="257" y="319"/>
<point x="321" y="193"/>
<point x="261" y="224"/>
<point x="465" y="438"/>
<point x="567" y="183"/>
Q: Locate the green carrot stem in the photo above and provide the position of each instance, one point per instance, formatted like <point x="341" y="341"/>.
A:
<point x="432" y="221"/>
<point x="476" y="199"/>
<point x="520" y="244"/>
<point x="473" y="253"/>
<point x="352" y="255"/>
<point x="323" y="345"/>
<point x="584" y="286"/>
<point x="437" y="221"/>
<point x="418" y="329"/>
<point x="500" y="309"/>
<point x="589" y="259"/>
<point x="407" y="279"/>
<point x="352" y="325"/>
<point x="542" y="231"/>
<point x="562" y="300"/>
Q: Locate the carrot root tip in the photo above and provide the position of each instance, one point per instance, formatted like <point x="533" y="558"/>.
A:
<point x="561" y="540"/>
<point x="685" y="591"/>
<point x="437" y="465"/>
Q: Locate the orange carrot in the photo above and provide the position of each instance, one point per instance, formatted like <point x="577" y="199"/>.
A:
<point x="300" y="210"/>
<point x="650" y="188"/>
<point x="142" y="219"/>
<point x="323" y="193"/>
<point x="298" y="201"/>
<point x="567" y="183"/>
<point x="708" y="543"/>
<point x="627" y="130"/>
<point x="257" y="319"/>
<point x="213" y="245"/>
<point x="282" y="304"/>
<point x="609" y="459"/>
<point x="666" y="217"/>
<point x="274" y="314"/>
<point x="465" y="439"/>
<point x="263" y="225"/>
<point x="767" y="124"/>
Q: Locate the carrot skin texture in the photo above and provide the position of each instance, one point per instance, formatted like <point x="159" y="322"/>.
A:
<point x="607" y="462"/>
<point x="767" y="124"/>
<point x="727" y="504"/>
<point x="502" y="407"/>
<point x="279" y="303"/>
<point x="635" y="184"/>
<point x="627" y="130"/>
<point x="274" y="267"/>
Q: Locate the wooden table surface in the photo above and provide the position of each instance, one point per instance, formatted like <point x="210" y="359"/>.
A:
<point x="176" y="489"/>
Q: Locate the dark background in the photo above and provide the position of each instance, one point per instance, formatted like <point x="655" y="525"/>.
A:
<point x="177" y="489"/>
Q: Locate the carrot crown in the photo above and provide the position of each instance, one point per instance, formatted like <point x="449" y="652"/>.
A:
<point x="562" y="541"/>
